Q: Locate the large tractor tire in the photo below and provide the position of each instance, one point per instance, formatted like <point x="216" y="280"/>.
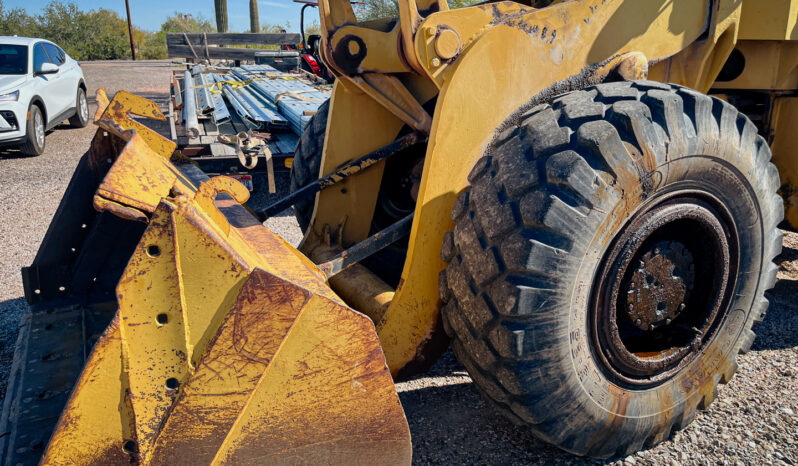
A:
<point x="608" y="261"/>
<point x="307" y="162"/>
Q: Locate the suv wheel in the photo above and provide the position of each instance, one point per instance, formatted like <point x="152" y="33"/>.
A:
<point x="34" y="145"/>
<point x="81" y="117"/>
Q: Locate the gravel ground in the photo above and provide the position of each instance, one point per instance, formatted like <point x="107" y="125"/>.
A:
<point x="753" y="421"/>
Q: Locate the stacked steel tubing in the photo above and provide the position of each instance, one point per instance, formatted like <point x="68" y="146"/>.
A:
<point x="294" y="99"/>
<point x="255" y="110"/>
<point x="190" y="105"/>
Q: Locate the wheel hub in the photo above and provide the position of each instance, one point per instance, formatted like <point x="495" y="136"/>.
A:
<point x="662" y="287"/>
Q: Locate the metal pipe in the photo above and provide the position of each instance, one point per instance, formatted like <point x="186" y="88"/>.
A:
<point x="367" y="247"/>
<point x="340" y="174"/>
<point x="205" y="103"/>
<point x="293" y="99"/>
<point x="220" y="112"/>
<point x="190" y="105"/>
<point x="302" y="26"/>
<point x="257" y="111"/>
<point x="359" y="287"/>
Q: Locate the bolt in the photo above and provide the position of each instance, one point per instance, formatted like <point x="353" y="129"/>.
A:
<point x="353" y="47"/>
<point x="681" y="306"/>
<point x="430" y="30"/>
<point x="436" y="62"/>
<point x="638" y="322"/>
<point x="667" y="321"/>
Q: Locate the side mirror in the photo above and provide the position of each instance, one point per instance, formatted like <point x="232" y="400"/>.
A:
<point x="47" y="68"/>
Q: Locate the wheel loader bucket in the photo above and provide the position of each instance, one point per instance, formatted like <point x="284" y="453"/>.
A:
<point x="226" y="344"/>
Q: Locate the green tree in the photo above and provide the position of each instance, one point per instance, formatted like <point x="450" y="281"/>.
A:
<point x="17" y="22"/>
<point x="153" y="46"/>
<point x="85" y="35"/>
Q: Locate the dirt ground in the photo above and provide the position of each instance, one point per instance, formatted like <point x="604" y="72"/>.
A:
<point x="753" y="420"/>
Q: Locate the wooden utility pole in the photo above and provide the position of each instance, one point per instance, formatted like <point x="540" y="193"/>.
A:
<point x="130" y="30"/>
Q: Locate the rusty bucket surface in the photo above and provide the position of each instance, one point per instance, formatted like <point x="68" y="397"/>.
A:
<point x="227" y="346"/>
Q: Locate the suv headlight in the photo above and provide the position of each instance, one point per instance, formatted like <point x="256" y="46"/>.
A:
<point x="10" y="97"/>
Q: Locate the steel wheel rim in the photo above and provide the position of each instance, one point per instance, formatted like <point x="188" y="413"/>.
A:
<point x="684" y="251"/>
<point x="38" y="128"/>
<point x="84" y="107"/>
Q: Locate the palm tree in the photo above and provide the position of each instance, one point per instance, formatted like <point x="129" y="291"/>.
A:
<point x="221" y="15"/>
<point x="254" y="20"/>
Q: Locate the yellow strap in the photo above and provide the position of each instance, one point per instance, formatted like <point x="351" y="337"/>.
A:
<point x="217" y="86"/>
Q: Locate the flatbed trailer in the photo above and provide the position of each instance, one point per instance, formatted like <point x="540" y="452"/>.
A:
<point x="212" y="150"/>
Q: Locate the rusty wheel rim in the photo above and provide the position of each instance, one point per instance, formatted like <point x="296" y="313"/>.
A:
<point x="663" y="288"/>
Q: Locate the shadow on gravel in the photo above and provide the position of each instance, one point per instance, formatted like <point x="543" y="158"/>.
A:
<point x="779" y="330"/>
<point x="453" y="424"/>
<point x="13" y="153"/>
<point x="11" y="312"/>
<point x="443" y="421"/>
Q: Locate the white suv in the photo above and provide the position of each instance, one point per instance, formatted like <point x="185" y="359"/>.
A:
<point x="40" y="86"/>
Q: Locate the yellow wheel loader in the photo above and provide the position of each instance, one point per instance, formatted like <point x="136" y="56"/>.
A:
<point x="577" y="196"/>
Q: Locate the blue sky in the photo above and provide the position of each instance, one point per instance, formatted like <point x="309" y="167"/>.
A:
<point x="149" y="14"/>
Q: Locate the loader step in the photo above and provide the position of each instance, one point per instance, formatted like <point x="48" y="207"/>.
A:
<point x="50" y="352"/>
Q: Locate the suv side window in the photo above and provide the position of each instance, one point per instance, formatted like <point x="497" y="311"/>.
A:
<point x="39" y="57"/>
<point x="56" y="55"/>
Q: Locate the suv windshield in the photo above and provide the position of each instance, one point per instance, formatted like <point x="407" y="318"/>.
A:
<point x="13" y="59"/>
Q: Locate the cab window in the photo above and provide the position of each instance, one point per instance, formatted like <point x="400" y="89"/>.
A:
<point x="56" y="54"/>
<point x="39" y="57"/>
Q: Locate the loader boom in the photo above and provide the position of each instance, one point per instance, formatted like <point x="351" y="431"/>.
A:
<point x="536" y="54"/>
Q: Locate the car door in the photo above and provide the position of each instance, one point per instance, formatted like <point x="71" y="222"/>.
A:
<point x="69" y="74"/>
<point x="47" y="84"/>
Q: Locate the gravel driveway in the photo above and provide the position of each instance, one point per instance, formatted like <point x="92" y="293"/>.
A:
<point x="753" y="421"/>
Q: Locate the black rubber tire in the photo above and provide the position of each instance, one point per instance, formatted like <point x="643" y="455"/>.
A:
<point x="544" y="202"/>
<point x="31" y="147"/>
<point x="77" y="120"/>
<point x="307" y="162"/>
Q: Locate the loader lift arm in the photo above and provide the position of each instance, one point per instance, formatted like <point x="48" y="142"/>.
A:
<point x="390" y="72"/>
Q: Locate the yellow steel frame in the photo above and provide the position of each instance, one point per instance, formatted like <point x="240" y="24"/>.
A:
<point x="228" y="346"/>
<point x="482" y="63"/>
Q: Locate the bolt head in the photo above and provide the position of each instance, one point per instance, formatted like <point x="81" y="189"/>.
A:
<point x="447" y="44"/>
<point x="353" y="47"/>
